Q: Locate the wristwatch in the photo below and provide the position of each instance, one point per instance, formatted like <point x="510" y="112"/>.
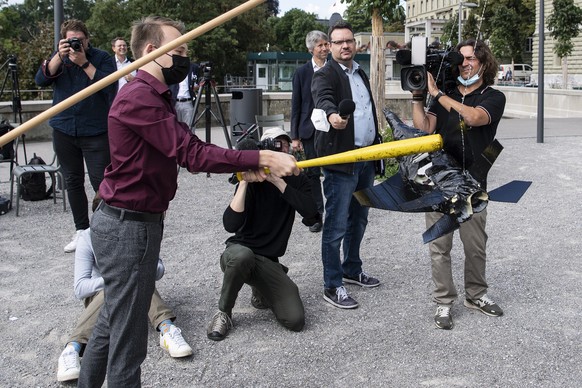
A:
<point x="439" y="95"/>
<point x="85" y="65"/>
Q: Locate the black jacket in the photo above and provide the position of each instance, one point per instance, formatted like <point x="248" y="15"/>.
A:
<point x="331" y="85"/>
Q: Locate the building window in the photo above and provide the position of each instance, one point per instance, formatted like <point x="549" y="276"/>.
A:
<point x="529" y="45"/>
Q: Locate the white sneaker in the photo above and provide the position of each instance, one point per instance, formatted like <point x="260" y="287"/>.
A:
<point x="174" y="343"/>
<point x="72" y="246"/>
<point x="69" y="365"/>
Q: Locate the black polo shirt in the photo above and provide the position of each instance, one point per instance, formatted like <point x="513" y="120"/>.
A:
<point x="466" y="146"/>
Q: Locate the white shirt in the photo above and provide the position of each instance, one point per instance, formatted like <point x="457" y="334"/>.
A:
<point x="120" y="65"/>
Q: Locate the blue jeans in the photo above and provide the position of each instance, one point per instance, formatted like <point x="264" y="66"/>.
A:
<point x="73" y="153"/>
<point x="345" y="219"/>
<point x="127" y="254"/>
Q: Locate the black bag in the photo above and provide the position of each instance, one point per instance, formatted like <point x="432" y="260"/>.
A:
<point x="34" y="185"/>
<point x="7" y="150"/>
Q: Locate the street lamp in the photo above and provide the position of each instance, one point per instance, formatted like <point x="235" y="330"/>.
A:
<point x="461" y="5"/>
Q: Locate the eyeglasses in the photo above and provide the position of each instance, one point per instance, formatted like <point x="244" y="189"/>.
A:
<point x="341" y="42"/>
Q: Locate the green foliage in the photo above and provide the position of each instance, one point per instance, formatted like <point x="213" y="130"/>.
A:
<point x="391" y="164"/>
<point x="507" y="24"/>
<point x="290" y="30"/>
<point x="391" y="10"/>
<point x="564" y="25"/>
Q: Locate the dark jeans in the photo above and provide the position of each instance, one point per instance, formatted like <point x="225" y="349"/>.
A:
<point x="345" y="222"/>
<point x="73" y="152"/>
<point x="240" y="265"/>
<point x="313" y="173"/>
<point x="127" y="254"/>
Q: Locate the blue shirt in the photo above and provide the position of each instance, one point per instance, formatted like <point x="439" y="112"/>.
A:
<point x="89" y="116"/>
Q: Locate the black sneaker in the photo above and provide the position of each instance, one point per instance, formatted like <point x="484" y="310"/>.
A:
<point x="339" y="298"/>
<point x="362" y="280"/>
<point x="257" y="300"/>
<point x="443" y="318"/>
<point x="485" y="305"/>
<point x="219" y="326"/>
<point x="315" y="228"/>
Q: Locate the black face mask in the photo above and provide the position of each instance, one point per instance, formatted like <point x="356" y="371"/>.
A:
<point x="178" y="71"/>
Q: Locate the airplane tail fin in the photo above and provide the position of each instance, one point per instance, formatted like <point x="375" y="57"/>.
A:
<point x="510" y="192"/>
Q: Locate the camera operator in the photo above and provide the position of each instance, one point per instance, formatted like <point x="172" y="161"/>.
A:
<point x="261" y="215"/>
<point x="79" y="132"/>
<point x="467" y="118"/>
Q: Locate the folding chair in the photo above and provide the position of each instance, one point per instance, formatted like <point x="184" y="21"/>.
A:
<point x="53" y="170"/>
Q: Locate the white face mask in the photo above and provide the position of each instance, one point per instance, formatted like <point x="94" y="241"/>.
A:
<point x="470" y="81"/>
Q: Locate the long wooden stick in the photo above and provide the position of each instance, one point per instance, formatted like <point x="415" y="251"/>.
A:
<point x="75" y="98"/>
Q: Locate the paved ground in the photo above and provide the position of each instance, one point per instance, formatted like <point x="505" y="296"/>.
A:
<point x="534" y="273"/>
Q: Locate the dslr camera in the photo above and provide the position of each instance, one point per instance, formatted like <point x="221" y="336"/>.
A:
<point x="421" y="60"/>
<point x="75" y="44"/>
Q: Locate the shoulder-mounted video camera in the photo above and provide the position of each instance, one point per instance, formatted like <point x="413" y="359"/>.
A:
<point x="75" y="44"/>
<point x="420" y="60"/>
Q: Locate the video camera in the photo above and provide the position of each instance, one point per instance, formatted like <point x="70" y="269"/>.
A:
<point x="421" y="60"/>
<point x="75" y="44"/>
<point x="206" y="69"/>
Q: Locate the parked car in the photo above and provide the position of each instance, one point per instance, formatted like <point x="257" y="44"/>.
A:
<point x="520" y="72"/>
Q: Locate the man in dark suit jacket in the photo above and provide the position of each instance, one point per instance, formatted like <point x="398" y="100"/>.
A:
<point x="302" y="128"/>
<point x="345" y="219"/>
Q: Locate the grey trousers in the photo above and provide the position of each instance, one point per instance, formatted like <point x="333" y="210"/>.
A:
<point x="158" y="312"/>
<point x="474" y="239"/>
<point x="127" y="255"/>
<point x="240" y="265"/>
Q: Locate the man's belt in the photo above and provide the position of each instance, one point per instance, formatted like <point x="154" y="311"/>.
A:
<point x="184" y="99"/>
<point x="123" y="214"/>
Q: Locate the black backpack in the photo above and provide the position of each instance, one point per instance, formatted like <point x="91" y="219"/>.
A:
<point x="7" y="150"/>
<point x="34" y="185"/>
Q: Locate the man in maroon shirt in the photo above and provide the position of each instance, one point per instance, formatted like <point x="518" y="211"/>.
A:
<point x="146" y="142"/>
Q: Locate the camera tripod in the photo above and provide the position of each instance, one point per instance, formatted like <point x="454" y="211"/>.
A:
<point x="12" y="72"/>
<point x="208" y="86"/>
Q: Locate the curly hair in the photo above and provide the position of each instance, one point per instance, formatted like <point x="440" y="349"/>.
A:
<point x="485" y="56"/>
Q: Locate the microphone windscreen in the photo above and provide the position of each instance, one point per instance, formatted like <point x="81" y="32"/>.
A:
<point x="455" y="58"/>
<point x="346" y="107"/>
<point x="403" y="57"/>
<point x="247" y="144"/>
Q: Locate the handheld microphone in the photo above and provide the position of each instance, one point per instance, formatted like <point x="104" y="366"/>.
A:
<point x="346" y="108"/>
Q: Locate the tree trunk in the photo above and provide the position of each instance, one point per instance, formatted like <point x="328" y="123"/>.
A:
<point x="565" y="73"/>
<point x="378" y="67"/>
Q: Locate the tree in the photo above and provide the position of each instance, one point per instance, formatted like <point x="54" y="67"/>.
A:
<point x="377" y="10"/>
<point x="290" y="30"/>
<point x="506" y="24"/>
<point x="564" y="25"/>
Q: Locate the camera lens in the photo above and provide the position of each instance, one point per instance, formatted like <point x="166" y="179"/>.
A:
<point x="413" y="78"/>
<point x="416" y="78"/>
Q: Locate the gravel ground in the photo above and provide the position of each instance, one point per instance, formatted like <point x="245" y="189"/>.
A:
<point x="390" y="340"/>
